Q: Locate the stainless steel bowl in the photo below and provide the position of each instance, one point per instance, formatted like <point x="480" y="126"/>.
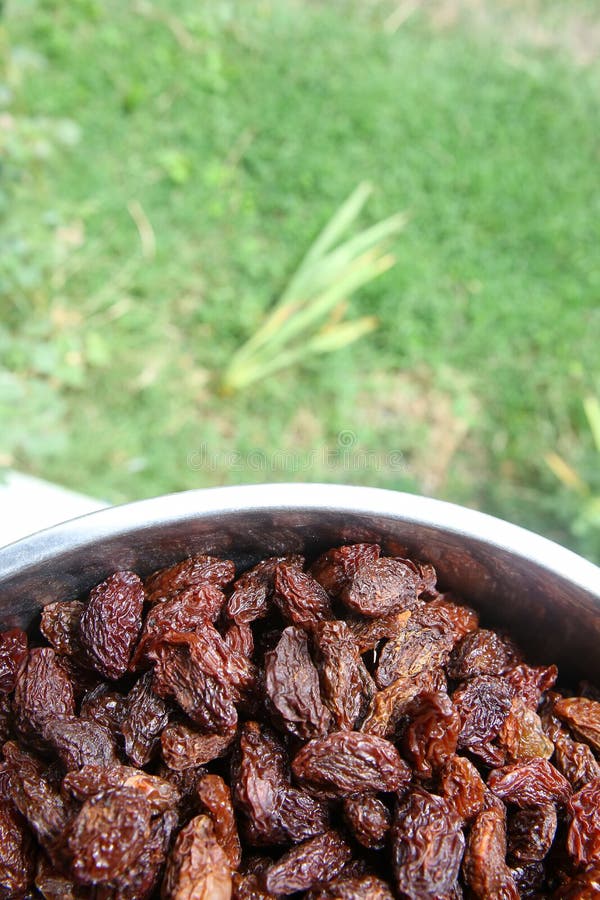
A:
<point x="546" y="596"/>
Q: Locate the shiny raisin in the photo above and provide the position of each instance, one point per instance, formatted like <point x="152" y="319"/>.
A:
<point x="110" y="623"/>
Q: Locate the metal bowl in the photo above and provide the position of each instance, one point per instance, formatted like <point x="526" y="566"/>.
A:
<point x="545" y="596"/>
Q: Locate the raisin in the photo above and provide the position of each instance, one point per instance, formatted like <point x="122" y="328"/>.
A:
<point x="79" y="742"/>
<point x="480" y="652"/>
<point x="432" y="732"/>
<point x="522" y="735"/>
<point x="585" y="885"/>
<point x="382" y="587"/>
<point x="108" y="835"/>
<point x="215" y="799"/>
<point x="145" y="716"/>
<point x="530" y="880"/>
<point x="16" y="852"/>
<point x="582" y="715"/>
<point x="483" y="704"/>
<point x="389" y="705"/>
<point x="412" y="651"/>
<point x="576" y="761"/>
<point x="185" y="611"/>
<point x="484" y="867"/>
<point x="463" y="788"/>
<point x="454" y="619"/>
<point x="191" y="572"/>
<point x="300" y="598"/>
<point x="239" y="637"/>
<point x="346" y="685"/>
<point x="94" y="779"/>
<point x="292" y="686"/>
<point x="60" y="626"/>
<point x="369" y="632"/>
<point x="348" y="762"/>
<point x="53" y="885"/>
<point x="368" y="819"/>
<point x="110" y="623"/>
<point x="359" y="888"/>
<point x="583" y="839"/>
<point x="335" y="569"/>
<point x="197" y="867"/>
<point x="13" y="655"/>
<point x="253" y="591"/>
<point x="33" y="795"/>
<point x="140" y="881"/>
<point x="533" y="782"/>
<point x="531" y="833"/>
<point x="531" y="682"/>
<point x="307" y="865"/>
<point x="427" y="846"/>
<point x="184" y="747"/>
<point x="301" y="816"/>
<point x="43" y="690"/>
<point x="247" y="884"/>
<point x="105" y="707"/>
<point x="258" y="776"/>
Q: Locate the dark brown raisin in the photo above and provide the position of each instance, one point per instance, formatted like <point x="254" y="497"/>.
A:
<point x="452" y="618"/>
<point x="431" y="734"/>
<point x="584" y="886"/>
<point x="369" y="632"/>
<point x="389" y="705"/>
<point x="583" y="718"/>
<point x="239" y="637"/>
<point x="141" y="879"/>
<point x="197" y="867"/>
<point x="252" y="592"/>
<point x="79" y="742"/>
<point x="368" y="819"/>
<point x="315" y="861"/>
<point x="533" y="782"/>
<point x="531" y="833"/>
<point x="215" y="799"/>
<point x="480" y="652"/>
<point x="292" y="686"/>
<point x="576" y="761"/>
<point x="84" y="784"/>
<point x="484" y="868"/>
<point x="104" y="706"/>
<point x="427" y="846"/>
<point x="33" y="795"/>
<point x="188" y="573"/>
<point x="145" y="715"/>
<point x="384" y="586"/>
<point x="13" y="655"/>
<point x="300" y="598"/>
<point x="348" y="762"/>
<point x="346" y="685"/>
<point x="336" y="568"/>
<point x="358" y="888"/>
<point x="259" y="775"/>
<point x="43" y="690"/>
<point x="108" y="835"/>
<point x="583" y="840"/>
<point x="531" y="682"/>
<point x="110" y="623"/>
<point x="463" y="788"/>
<point x="184" y="747"/>
<point x="522" y="735"/>
<point x="60" y="626"/>
<point x="16" y="852"/>
<point x="412" y="651"/>
<point x="483" y="704"/>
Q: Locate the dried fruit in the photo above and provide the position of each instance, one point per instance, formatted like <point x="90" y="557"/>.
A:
<point x="463" y="788"/>
<point x="522" y="735"/>
<point x="576" y="761"/>
<point x="13" y="654"/>
<point x="382" y="587"/>
<point x="104" y="706"/>
<point x="215" y="799"/>
<point x="110" y="623"/>
<point x="189" y="573"/>
<point x="336" y="568"/>
<point x="16" y="853"/>
<point x="197" y="867"/>
<point x="531" y="833"/>
<point x="427" y="846"/>
<point x="359" y="888"/>
<point x="308" y="864"/>
<point x="389" y="705"/>
<point x="43" y="690"/>
<point x="533" y="782"/>
<point x="300" y="598"/>
<point x="483" y="704"/>
<point x="145" y="715"/>
<point x="582" y="715"/>
<point x="348" y="762"/>
<point x="415" y="649"/>
<point x="252" y="592"/>
<point x="432" y="732"/>
<point x="60" y="626"/>
<point x="346" y="685"/>
<point x="239" y="637"/>
<point x="484" y="868"/>
<point x="480" y="652"/>
<point x="94" y="779"/>
<point x="184" y="747"/>
<point x="368" y="819"/>
<point x="292" y="686"/>
<point x="108" y="835"/>
<point x="531" y="682"/>
<point x="583" y="839"/>
<point x="79" y="742"/>
<point x="452" y="618"/>
<point x="33" y="795"/>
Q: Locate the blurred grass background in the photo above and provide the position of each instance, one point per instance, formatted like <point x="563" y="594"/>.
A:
<point x="166" y="165"/>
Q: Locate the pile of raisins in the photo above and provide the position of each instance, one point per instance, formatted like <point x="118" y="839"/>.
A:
<point x="335" y="731"/>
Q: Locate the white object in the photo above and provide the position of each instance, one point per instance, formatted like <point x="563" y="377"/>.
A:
<point x="29" y="504"/>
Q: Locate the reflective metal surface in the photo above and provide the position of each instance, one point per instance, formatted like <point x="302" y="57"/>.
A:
<point x="548" y="597"/>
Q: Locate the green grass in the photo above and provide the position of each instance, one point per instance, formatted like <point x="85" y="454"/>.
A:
<point x="231" y="132"/>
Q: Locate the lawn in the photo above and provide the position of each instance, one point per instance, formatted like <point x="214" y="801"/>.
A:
<point x="166" y="165"/>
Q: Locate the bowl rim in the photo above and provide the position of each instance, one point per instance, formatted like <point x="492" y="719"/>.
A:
<point x="84" y="531"/>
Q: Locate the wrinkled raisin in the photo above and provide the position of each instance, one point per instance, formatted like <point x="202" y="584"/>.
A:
<point x="583" y="840"/>
<point x="215" y="799"/>
<point x="252" y="592"/>
<point x="431" y="735"/>
<point x="189" y="573"/>
<point x="480" y="652"/>
<point x="484" y="868"/>
<point x="463" y="787"/>
<point x="13" y="654"/>
<point x="145" y="715"/>
<point x="414" y="650"/>
<point x="292" y="686"/>
<point x="368" y="819"/>
<point x="383" y="586"/>
<point x="308" y="864"/>
<point x="16" y="852"/>
<point x="43" y="690"/>
<point x="582" y="715"/>
<point x="184" y="747"/>
<point x="533" y="782"/>
<point x="301" y="600"/>
<point x="483" y="704"/>
<point x="336" y="568"/>
<point x="346" y="684"/>
<point x="197" y="867"/>
<point x="111" y="621"/>
<point x="531" y="832"/>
